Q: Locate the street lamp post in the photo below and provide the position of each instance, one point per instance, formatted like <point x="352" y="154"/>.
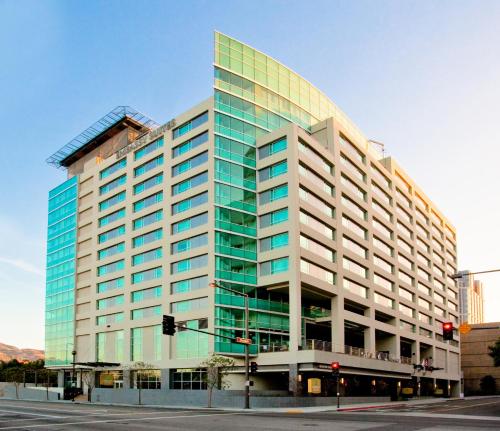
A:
<point x="247" y="336"/>
<point x="73" y="381"/>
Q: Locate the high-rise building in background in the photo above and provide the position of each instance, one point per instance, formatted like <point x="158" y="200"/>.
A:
<point x="269" y="189"/>
<point x="471" y="300"/>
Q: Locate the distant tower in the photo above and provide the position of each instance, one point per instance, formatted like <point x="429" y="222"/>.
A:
<point x="470" y="299"/>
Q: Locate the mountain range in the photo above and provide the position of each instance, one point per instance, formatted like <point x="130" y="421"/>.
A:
<point x="8" y="352"/>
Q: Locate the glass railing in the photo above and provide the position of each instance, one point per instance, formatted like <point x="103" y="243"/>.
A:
<point x="315" y="312"/>
<point x="236" y="276"/>
<point x="233" y="227"/>
<point x="258" y="304"/>
<point x="236" y="252"/>
<point x="227" y="347"/>
<point x="273" y="347"/>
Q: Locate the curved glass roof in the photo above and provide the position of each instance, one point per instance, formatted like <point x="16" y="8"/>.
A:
<point x="288" y="94"/>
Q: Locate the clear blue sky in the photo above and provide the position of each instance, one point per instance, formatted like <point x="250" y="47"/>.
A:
<point x="421" y="76"/>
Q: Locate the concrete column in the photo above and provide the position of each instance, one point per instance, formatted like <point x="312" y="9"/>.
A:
<point x="295" y="314"/>
<point x="165" y="378"/>
<point x="60" y="378"/>
<point x="127" y="383"/>
<point x="415" y="352"/>
<point x="293" y="384"/>
<point x="397" y="350"/>
<point x="338" y="336"/>
<point x="370" y="344"/>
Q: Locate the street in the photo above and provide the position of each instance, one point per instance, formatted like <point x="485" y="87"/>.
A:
<point x="476" y="414"/>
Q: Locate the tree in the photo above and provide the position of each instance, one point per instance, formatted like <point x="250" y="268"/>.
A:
<point x="142" y="370"/>
<point x="44" y="376"/>
<point x="88" y="378"/>
<point x="218" y="368"/>
<point x="495" y="353"/>
<point x="488" y="385"/>
<point x="15" y="375"/>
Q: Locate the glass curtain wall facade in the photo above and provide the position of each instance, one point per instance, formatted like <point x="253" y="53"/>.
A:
<point x="253" y="95"/>
<point x="60" y="278"/>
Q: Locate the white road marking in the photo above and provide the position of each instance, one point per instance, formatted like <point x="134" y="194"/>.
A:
<point x="467" y="407"/>
<point x="31" y="414"/>
<point x="117" y="420"/>
<point x="44" y="408"/>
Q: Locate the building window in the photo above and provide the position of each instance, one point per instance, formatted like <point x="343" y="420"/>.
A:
<point x="149" y="165"/>
<point x="144" y="313"/>
<point x="103" y="221"/>
<point x="147" y="379"/>
<point x="235" y="151"/>
<point x="189" y="285"/>
<point x="317" y="272"/>
<point x="189" y="203"/>
<point x="274" y="266"/>
<point x="316" y="202"/>
<point x="148" y="201"/>
<point x="315" y="156"/>
<point x="111" y="251"/>
<point x="149" y="274"/>
<point x="189" y="305"/>
<point x="111" y="234"/>
<point x="190" y="183"/>
<point x="147" y="238"/>
<point x="188" y="379"/>
<point x="106" y="188"/>
<point x="272" y="148"/>
<point x="190" y="125"/>
<point x="191" y="163"/>
<point x="231" y="269"/>
<point x="149" y="148"/>
<point x="147" y="256"/>
<point x="190" y="344"/>
<point x="110" y="268"/>
<point x="147" y="219"/>
<point x="235" y="245"/>
<point x="189" y="243"/>
<point x="190" y="223"/>
<point x="235" y="197"/>
<point x="105" y="286"/>
<point x="193" y="143"/>
<point x="113" y="200"/>
<point x="189" y="264"/>
<point x="235" y="174"/>
<point x="273" y="171"/>
<point x="120" y="164"/>
<point x="316" y="248"/>
<point x="274" y="217"/>
<point x="145" y="294"/>
<point x="273" y="242"/>
<point x="112" y="301"/>
<point x="147" y="184"/>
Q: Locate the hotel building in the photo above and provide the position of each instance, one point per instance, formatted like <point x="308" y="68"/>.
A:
<point x="268" y="188"/>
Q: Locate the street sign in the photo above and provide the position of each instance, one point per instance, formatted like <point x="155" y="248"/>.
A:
<point x="241" y="340"/>
<point x="465" y="328"/>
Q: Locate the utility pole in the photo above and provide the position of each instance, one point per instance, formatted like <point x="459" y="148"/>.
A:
<point x="73" y="381"/>
<point x="247" y="336"/>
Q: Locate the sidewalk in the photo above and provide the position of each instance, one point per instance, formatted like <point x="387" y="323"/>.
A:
<point x="291" y="410"/>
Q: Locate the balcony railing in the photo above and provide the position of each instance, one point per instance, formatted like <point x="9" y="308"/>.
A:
<point x="327" y="346"/>
<point x="273" y="347"/>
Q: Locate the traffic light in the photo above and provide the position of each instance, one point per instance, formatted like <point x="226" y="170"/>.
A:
<point x="254" y="367"/>
<point x="335" y="368"/>
<point x="447" y="331"/>
<point x="168" y="325"/>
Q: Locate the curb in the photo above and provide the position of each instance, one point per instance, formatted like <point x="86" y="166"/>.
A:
<point x="383" y="406"/>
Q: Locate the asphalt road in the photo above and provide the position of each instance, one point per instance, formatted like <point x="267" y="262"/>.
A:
<point x="36" y="416"/>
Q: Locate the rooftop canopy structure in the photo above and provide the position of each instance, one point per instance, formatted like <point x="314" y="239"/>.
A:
<point x="103" y="129"/>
